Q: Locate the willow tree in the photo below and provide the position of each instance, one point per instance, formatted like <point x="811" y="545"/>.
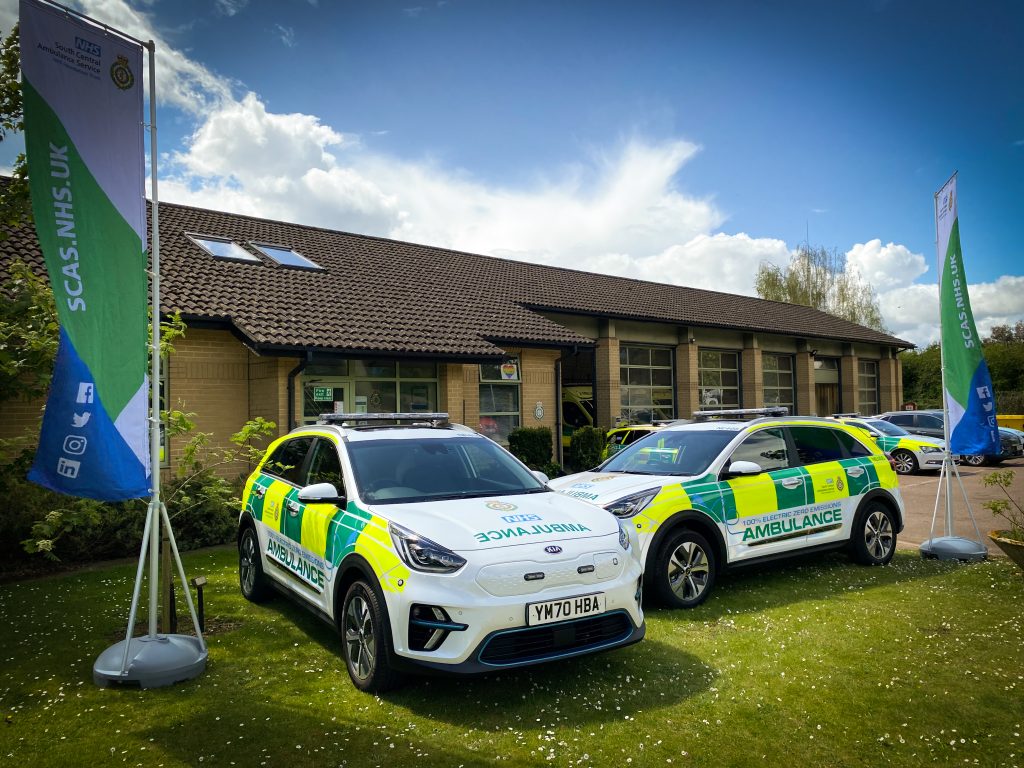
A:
<point x="816" y="277"/>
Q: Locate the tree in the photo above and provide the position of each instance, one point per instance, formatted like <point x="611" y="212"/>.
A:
<point x="15" y="207"/>
<point x="820" y="278"/>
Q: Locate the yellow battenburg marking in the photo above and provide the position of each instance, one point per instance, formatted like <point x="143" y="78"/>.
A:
<point x="672" y="499"/>
<point x="375" y="545"/>
<point x="753" y="495"/>
<point x="315" y="520"/>
<point x="829" y="481"/>
<point x="273" y="505"/>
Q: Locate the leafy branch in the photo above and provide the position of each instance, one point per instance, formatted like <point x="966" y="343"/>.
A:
<point x="1009" y="508"/>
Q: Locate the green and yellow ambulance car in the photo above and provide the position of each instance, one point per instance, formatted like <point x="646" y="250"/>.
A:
<point x="722" y="493"/>
<point x="910" y="453"/>
<point x="429" y="546"/>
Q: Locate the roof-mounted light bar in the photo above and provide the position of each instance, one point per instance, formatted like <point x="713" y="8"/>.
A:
<point x="846" y="415"/>
<point x="377" y="419"/>
<point x="741" y="413"/>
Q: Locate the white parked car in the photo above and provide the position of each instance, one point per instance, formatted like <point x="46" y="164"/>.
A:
<point x="428" y="545"/>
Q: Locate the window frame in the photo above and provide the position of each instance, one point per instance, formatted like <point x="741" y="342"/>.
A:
<point x="721" y="387"/>
<point x="510" y="383"/>
<point x="309" y="266"/>
<point x="791" y="404"/>
<point x="657" y="411"/>
<point x="247" y="258"/>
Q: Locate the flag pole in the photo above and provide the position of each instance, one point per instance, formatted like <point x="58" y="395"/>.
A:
<point x="950" y="546"/>
<point x="156" y="659"/>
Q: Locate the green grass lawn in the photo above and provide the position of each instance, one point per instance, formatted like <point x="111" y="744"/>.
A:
<point x="815" y="663"/>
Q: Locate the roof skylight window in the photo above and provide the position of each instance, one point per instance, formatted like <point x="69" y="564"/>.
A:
<point x="287" y="257"/>
<point x="223" y="249"/>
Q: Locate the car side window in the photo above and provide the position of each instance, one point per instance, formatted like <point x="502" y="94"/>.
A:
<point x="286" y="460"/>
<point x="929" y="421"/>
<point x="617" y="439"/>
<point x="854" y="447"/>
<point x="767" y="448"/>
<point x="325" y="466"/>
<point x="815" y="445"/>
<point x="902" y="419"/>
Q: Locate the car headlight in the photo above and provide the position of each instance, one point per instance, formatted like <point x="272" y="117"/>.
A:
<point x="628" y="506"/>
<point x="931" y="449"/>
<point x="422" y="554"/>
<point x="623" y="536"/>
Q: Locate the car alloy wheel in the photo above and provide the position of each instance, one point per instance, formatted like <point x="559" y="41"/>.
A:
<point x="359" y="638"/>
<point x="878" y="535"/>
<point x="250" y="570"/>
<point x="683" y="570"/>
<point x="974" y="460"/>
<point x="904" y="462"/>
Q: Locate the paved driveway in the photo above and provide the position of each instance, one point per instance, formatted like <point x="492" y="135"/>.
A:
<point x="919" y="498"/>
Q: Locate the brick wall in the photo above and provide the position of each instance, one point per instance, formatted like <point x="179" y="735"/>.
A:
<point x="209" y="376"/>
<point x="607" y="390"/>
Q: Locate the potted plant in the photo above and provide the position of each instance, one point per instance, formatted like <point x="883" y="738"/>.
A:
<point x="1010" y="540"/>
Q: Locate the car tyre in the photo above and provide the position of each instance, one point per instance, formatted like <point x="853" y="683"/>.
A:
<point x="251" y="578"/>
<point x="905" y="462"/>
<point x="366" y="640"/>
<point x="873" y="541"/>
<point x="974" y="460"/>
<point x="685" y="569"/>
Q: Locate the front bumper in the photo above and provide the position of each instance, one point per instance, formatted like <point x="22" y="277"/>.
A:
<point x="484" y="632"/>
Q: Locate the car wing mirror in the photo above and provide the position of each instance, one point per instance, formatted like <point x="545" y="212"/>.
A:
<point x="321" y="493"/>
<point x="742" y="469"/>
<point x="541" y="476"/>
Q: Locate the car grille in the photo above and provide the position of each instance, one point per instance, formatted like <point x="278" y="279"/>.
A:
<point x="550" y="641"/>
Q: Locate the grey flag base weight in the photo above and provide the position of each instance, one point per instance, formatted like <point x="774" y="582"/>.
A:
<point x="950" y="547"/>
<point x="154" y="660"/>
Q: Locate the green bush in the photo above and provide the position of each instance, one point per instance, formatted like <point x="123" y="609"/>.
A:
<point x="585" y="448"/>
<point x="531" y="445"/>
<point x="552" y="470"/>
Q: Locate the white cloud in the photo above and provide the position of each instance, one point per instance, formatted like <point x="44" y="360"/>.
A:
<point x="885" y="267"/>
<point x="230" y="7"/>
<point x="286" y="35"/>
<point x="912" y="311"/>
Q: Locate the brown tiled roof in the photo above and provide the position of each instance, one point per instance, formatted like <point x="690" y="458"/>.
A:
<point x="375" y="294"/>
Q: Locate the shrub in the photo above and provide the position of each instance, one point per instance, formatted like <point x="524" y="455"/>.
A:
<point x="585" y="448"/>
<point x="531" y="445"/>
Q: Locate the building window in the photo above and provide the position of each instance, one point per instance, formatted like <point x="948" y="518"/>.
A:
<point x="286" y="257"/>
<point x="368" y="386"/>
<point x="718" y="375"/>
<point x="499" y="399"/>
<point x="778" y="380"/>
<point x="645" y="376"/>
<point x="867" y="386"/>
<point x="220" y="248"/>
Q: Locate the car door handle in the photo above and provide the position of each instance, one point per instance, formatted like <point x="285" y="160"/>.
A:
<point x="293" y="508"/>
<point x="259" y="490"/>
<point x="792" y="482"/>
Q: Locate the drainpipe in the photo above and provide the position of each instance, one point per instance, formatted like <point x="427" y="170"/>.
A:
<point x="558" y="411"/>
<point x="291" y="389"/>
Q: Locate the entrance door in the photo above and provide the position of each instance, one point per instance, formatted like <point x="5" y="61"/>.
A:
<point x="325" y="395"/>
<point x="827" y="396"/>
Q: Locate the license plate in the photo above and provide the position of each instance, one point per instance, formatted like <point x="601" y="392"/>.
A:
<point x="567" y="608"/>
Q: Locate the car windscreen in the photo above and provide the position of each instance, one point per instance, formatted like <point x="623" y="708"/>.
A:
<point x="398" y="471"/>
<point x="686" y="452"/>
<point x="887" y="428"/>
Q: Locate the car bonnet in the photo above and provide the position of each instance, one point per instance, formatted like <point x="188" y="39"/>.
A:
<point x="501" y="521"/>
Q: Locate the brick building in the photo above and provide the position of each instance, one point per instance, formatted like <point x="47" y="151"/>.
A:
<point x="288" y="321"/>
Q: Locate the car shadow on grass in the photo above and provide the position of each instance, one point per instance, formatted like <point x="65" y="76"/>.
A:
<point x="800" y="578"/>
<point x="590" y="689"/>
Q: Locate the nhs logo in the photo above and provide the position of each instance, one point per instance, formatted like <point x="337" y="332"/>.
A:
<point x="87" y="47"/>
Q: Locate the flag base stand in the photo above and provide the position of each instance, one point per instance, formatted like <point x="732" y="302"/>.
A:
<point x="950" y="547"/>
<point x="153" y="661"/>
<point x="954" y="548"/>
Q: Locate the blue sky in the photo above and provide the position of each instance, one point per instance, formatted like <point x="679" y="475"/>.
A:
<point x="682" y="141"/>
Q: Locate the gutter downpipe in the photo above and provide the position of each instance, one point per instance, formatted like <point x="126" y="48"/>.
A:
<point x="292" y="375"/>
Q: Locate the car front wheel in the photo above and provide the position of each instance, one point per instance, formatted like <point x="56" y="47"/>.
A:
<point x="250" y="567"/>
<point x="366" y="640"/>
<point x="974" y="460"/>
<point x="685" y="569"/>
<point x="874" y="535"/>
<point x="905" y="462"/>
